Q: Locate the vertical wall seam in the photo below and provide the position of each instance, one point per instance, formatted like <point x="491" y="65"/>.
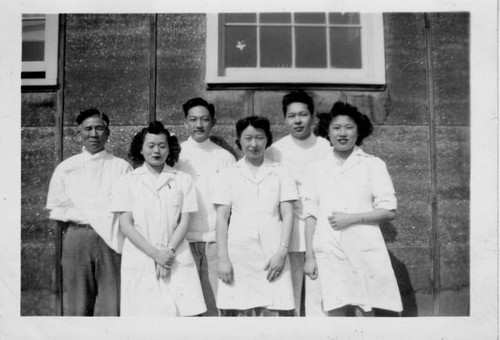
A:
<point x="153" y="46"/>
<point x="435" y="245"/>
<point x="60" y="154"/>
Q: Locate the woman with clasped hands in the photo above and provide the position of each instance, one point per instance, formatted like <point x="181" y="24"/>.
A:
<point x="153" y="202"/>
<point x="348" y="195"/>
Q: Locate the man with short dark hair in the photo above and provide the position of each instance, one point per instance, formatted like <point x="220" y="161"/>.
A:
<point x="203" y="159"/>
<point x="78" y="200"/>
<point x="297" y="150"/>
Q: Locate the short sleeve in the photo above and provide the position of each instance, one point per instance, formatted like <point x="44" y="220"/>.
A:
<point x="229" y="160"/>
<point x="309" y="193"/>
<point x="288" y="188"/>
<point x="122" y="198"/>
<point x="222" y="188"/>
<point x="383" y="192"/>
<point x="190" y="200"/>
<point x="57" y="200"/>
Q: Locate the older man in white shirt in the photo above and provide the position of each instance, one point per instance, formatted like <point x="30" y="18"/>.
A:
<point x="78" y="200"/>
<point x="297" y="150"/>
<point x="203" y="159"/>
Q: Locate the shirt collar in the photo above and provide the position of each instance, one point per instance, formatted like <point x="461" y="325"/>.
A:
<point x="87" y="156"/>
<point x="144" y="169"/>
<point x="202" y="145"/>
<point x="267" y="162"/>
<point x="305" y="143"/>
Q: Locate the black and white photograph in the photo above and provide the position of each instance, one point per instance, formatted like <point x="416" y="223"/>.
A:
<point x="168" y="167"/>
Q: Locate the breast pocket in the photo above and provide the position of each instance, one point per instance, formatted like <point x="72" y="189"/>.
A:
<point x="174" y="205"/>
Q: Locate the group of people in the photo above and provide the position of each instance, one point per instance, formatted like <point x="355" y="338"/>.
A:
<point x="290" y="229"/>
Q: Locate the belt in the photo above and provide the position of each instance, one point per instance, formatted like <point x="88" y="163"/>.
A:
<point x="79" y="225"/>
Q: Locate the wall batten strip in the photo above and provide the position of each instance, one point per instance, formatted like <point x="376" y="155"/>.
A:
<point x="435" y="241"/>
<point x="153" y="42"/>
<point x="60" y="156"/>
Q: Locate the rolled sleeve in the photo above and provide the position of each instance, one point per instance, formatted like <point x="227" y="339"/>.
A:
<point x="288" y="187"/>
<point x="122" y="199"/>
<point x="308" y="194"/>
<point x="190" y="200"/>
<point x="222" y="188"/>
<point x="384" y="196"/>
<point x="57" y="200"/>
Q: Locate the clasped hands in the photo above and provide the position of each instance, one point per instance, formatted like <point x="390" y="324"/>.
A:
<point x="164" y="259"/>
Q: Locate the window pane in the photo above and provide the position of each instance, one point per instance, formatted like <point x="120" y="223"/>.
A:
<point x="344" y="18"/>
<point x="275" y="47"/>
<point x="240" y="46"/>
<point x="274" y="18"/>
<point x="33" y="40"/>
<point x="310" y="18"/>
<point x="310" y="47"/>
<point x="244" y="18"/>
<point x="345" y="47"/>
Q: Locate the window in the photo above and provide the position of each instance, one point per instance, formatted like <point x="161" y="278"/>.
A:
<point x="306" y="48"/>
<point x="39" y="54"/>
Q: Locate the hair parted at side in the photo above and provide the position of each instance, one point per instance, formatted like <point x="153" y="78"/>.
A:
<point x="92" y="112"/>
<point x="257" y="122"/>
<point x="155" y="128"/>
<point x="363" y="123"/>
<point x="297" y="97"/>
<point x="198" y="102"/>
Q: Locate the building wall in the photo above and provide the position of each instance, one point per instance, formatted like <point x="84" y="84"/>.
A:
<point x="421" y="131"/>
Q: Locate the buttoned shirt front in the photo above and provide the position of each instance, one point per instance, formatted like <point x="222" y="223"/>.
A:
<point x="80" y="189"/>
<point x="297" y="155"/>
<point x="202" y="161"/>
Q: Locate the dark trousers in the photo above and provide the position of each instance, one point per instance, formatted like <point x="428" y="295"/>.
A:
<point x="205" y="257"/>
<point x="91" y="274"/>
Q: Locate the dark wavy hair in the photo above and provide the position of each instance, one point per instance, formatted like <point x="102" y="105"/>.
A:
<point x="297" y="97"/>
<point x="363" y="123"/>
<point x="155" y="128"/>
<point x="92" y="112"/>
<point x="198" y="102"/>
<point x="257" y="122"/>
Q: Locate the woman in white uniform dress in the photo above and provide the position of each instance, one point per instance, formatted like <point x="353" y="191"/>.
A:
<point x="348" y="195"/>
<point x="158" y="274"/>
<point x="252" y="251"/>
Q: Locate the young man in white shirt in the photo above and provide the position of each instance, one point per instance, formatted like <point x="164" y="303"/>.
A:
<point x="203" y="159"/>
<point x="297" y="150"/>
<point x="78" y="199"/>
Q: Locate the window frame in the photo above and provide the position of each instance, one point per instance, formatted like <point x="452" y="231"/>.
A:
<point x="371" y="74"/>
<point x="50" y="63"/>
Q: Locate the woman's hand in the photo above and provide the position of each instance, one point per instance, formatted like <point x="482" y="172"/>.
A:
<point x="161" y="271"/>
<point x="340" y="220"/>
<point x="164" y="257"/>
<point x="275" y="265"/>
<point x="225" y="270"/>
<point x="311" y="268"/>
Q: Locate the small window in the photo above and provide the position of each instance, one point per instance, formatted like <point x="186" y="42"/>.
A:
<point x="306" y="48"/>
<point x="39" y="49"/>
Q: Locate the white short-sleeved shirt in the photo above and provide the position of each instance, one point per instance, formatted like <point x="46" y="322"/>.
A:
<point x="297" y="155"/>
<point x="80" y="190"/>
<point x="202" y="161"/>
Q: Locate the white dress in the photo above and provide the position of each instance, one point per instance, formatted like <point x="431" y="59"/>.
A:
<point x="156" y="204"/>
<point x="254" y="235"/>
<point x="353" y="264"/>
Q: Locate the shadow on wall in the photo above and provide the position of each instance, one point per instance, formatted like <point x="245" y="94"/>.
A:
<point x="402" y="276"/>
